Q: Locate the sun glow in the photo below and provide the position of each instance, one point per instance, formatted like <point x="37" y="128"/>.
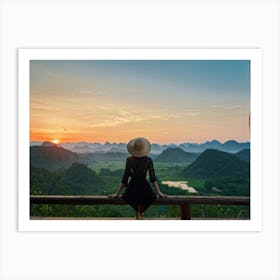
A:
<point x="55" y="141"/>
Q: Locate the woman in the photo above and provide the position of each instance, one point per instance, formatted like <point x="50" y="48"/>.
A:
<point x="138" y="191"/>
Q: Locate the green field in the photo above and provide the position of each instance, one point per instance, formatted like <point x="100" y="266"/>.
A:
<point x="112" y="165"/>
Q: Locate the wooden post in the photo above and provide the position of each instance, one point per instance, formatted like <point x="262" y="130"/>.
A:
<point x="185" y="211"/>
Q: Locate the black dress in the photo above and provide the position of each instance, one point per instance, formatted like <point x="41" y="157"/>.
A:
<point x="138" y="193"/>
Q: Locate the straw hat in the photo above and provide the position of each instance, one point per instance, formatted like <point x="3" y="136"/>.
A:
<point x="139" y="147"/>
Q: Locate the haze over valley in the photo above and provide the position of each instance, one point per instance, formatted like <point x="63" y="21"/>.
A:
<point x="231" y="146"/>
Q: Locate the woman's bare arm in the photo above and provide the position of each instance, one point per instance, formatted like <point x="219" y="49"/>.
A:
<point x="159" y="193"/>
<point x="117" y="194"/>
<point x="124" y="181"/>
<point x="153" y="179"/>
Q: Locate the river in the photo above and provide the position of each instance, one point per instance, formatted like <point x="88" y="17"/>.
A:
<point x="180" y="184"/>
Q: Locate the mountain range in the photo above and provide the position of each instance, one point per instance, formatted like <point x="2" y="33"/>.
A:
<point x="52" y="156"/>
<point x="215" y="164"/>
<point x="230" y="146"/>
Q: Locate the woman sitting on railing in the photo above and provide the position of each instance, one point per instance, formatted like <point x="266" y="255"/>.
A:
<point x="138" y="192"/>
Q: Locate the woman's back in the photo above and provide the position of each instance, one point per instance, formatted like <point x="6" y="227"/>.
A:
<point x="137" y="167"/>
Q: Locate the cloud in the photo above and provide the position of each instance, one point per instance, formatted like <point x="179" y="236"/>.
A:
<point x="124" y="116"/>
<point x="192" y="112"/>
<point x="110" y="123"/>
<point x="225" y="107"/>
<point x="121" y="117"/>
<point x="164" y="116"/>
<point x="91" y="92"/>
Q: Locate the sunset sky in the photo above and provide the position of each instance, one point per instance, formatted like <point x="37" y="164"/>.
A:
<point x="165" y="101"/>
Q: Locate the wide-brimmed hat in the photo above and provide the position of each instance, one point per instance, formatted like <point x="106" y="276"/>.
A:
<point x="139" y="147"/>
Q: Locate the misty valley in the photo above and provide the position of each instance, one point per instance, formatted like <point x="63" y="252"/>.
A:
<point x="208" y="169"/>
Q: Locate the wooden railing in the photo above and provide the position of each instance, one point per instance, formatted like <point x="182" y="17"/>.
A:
<point x="184" y="202"/>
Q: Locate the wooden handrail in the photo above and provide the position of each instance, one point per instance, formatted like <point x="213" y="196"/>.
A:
<point x="183" y="201"/>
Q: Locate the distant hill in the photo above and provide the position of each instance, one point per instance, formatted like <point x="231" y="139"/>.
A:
<point x="106" y="156"/>
<point x="195" y="147"/>
<point x="51" y="156"/>
<point x="233" y="146"/>
<point x="217" y="164"/>
<point x="48" y="144"/>
<point x="244" y="155"/>
<point x="176" y="155"/>
<point x="81" y="177"/>
<point x="230" y="146"/>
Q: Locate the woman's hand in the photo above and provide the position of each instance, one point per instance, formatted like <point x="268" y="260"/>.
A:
<point x="162" y="195"/>
<point x="115" y="195"/>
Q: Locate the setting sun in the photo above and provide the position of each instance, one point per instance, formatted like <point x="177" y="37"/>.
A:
<point x="55" y="141"/>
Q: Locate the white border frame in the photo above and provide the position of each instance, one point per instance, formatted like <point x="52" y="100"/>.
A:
<point x="254" y="224"/>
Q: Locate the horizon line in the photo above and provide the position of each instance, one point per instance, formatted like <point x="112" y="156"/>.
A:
<point x="153" y="143"/>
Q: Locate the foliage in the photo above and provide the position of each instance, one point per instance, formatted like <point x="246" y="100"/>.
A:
<point x="244" y="155"/>
<point x="104" y="177"/>
<point x="220" y="212"/>
<point x="229" y="186"/>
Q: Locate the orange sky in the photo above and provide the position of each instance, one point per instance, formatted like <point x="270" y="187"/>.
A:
<point x="95" y="102"/>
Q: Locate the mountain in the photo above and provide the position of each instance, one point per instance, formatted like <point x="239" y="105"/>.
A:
<point x="157" y="149"/>
<point x="35" y="143"/>
<point x="233" y="146"/>
<point x="244" y="155"/>
<point x="198" y="148"/>
<point x="48" y="144"/>
<point x="214" y="143"/>
<point x="217" y="164"/>
<point x="176" y="155"/>
<point x="230" y="146"/>
<point x="79" y="173"/>
<point x="51" y="156"/>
